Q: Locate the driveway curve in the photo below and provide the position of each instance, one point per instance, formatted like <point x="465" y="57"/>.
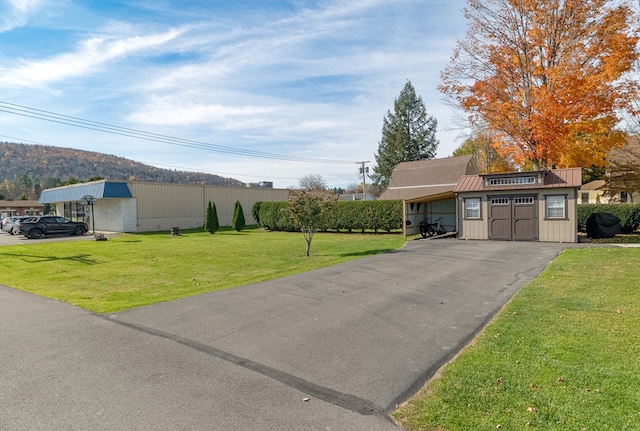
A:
<point x="332" y="349"/>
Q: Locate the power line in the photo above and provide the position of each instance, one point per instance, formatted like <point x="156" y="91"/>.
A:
<point x="53" y="117"/>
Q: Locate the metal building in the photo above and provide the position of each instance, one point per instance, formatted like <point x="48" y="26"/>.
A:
<point x="143" y="207"/>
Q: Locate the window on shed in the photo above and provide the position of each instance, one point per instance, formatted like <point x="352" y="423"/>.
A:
<point x="624" y="197"/>
<point x="556" y="206"/>
<point x="512" y="180"/>
<point x="472" y="208"/>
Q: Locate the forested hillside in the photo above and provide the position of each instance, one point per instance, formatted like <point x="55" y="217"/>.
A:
<point x="25" y="170"/>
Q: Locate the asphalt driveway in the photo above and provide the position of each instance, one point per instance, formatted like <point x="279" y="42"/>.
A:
<point x="332" y="349"/>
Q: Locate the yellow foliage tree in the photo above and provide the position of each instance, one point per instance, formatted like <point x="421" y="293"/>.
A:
<point x="549" y="77"/>
<point x="488" y="159"/>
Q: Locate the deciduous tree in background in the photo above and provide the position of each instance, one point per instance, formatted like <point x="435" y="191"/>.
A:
<point x="488" y="159"/>
<point x="408" y="134"/>
<point x="313" y="183"/>
<point x="548" y="76"/>
<point x="238" y="222"/>
<point x="211" y="223"/>
<point x="306" y="210"/>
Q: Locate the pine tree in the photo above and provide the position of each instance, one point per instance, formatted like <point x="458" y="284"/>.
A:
<point x="211" y="223"/>
<point x="238" y="222"/>
<point x="408" y="134"/>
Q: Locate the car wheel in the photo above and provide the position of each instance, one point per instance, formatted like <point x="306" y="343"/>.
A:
<point x="78" y="231"/>
<point x="35" y="234"/>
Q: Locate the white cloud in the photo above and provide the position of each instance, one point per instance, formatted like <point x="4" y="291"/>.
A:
<point x="16" y="13"/>
<point x="90" y="55"/>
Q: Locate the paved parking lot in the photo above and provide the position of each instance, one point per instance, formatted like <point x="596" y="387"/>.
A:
<point x="332" y="349"/>
<point x="8" y="239"/>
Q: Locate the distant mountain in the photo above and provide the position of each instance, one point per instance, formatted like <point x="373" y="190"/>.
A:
<point x="45" y="165"/>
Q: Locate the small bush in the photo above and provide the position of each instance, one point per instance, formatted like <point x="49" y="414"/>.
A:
<point x="629" y="215"/>
<point x="238" y="222"/>
<point x="211" y="223"/>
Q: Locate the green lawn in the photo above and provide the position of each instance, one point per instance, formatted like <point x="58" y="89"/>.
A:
<point x="564" y="354"/>
<point x="139" y="269"/>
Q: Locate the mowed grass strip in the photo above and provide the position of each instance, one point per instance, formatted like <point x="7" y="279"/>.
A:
<point x="140" y="269"/>
<point x="564" y="354"/>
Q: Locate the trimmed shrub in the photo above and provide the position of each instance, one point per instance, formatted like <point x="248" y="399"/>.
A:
<point x="255" y="212"/>
<point x="629" y="215"/>
<point x="377" y="216"/>
<point x="238" y="222"/>
<point x="211" y="223"/>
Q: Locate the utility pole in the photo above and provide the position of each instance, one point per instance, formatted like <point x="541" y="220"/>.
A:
<point x="364" y="171"/>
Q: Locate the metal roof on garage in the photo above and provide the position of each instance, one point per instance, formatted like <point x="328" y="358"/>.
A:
<point x="554" y="178"/>
<point x="99" y="189"/>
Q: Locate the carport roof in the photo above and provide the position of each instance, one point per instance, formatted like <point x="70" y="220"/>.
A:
<point x="98" y="189"/>
<point x="427" y="180"/>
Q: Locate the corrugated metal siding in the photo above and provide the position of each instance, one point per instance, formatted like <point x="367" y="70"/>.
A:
<point x="162" y="206"/>
<point x="75" y="192"/>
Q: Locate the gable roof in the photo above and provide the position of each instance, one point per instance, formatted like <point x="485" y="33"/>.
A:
<point x="98" y="189"/>
<point x="593" y="185"/>
<point x="554" y="178"/>
<point x="428" y="179"/>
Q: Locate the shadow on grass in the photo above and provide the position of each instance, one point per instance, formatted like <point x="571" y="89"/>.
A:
<point x="79" y="258"/>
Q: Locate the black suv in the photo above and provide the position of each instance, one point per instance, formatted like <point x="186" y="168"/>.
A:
<point x="36" y="227"/>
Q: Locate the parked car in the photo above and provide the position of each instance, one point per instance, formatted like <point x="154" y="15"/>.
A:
<point x="37" y="227"/>
<point x="9" y="223"/>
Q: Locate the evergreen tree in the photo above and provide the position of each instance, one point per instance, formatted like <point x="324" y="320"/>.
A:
<point x="211" y="223"/>
<point x="408" y="134"/>
<point x="238" y="222"/>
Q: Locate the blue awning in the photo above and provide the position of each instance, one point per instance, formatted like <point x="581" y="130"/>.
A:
<point x="75" y="192"/>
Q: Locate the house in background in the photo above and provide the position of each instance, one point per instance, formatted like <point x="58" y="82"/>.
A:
<point x="595" y="192"/>
<point x="19" y="208"/>
<point x="426" y="189"/>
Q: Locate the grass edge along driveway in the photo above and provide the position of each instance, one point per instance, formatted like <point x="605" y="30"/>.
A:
<point x="133" y="270"/>
<point x="563" y="354"/>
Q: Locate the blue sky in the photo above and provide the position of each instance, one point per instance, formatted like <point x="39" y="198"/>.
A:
<point x="300" y="78"/>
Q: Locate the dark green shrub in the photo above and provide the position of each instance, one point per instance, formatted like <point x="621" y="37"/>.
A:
<point x="238" y="222"/>
<point x="347" y="216"/>
<point x="255" y="212"/>
<point x="211" y="223"/>
<point x="629" y="215"/>
<point x="272" y="217"/>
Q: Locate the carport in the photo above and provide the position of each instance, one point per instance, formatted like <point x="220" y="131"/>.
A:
<point x="426" y="188"/>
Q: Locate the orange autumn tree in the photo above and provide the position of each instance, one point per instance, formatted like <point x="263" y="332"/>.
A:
<point x="548" y="77"/>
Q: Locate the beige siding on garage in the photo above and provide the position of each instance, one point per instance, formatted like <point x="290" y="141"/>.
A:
<point x="163" y="206"/>
<point x="473" y="228"/>
<point x="549" y="230"/>
<point x="559" y="230"/>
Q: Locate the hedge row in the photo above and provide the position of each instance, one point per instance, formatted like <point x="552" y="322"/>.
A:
<point x="349" y="216"/>
<point x="629" y="215"/>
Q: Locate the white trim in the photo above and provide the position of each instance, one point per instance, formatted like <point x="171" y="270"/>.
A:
<point x="419" y="187"/>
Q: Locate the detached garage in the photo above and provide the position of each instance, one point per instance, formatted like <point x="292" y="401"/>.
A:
<point x="521" y="206"/>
